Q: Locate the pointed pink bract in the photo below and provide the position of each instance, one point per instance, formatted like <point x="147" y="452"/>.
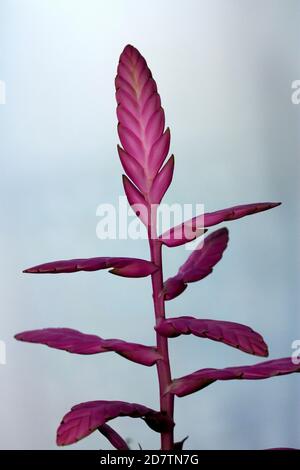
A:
<point x="162" y="181"/>
<point x="133" y="169"/>
<point x="137" y="201"/>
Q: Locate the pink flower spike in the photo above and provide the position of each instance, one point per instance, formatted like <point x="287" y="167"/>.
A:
<point x="76" y="342"/>
<point x="85" y="418"/>
<point x="199" y="264"/>
<point x="113" y="437"/>
<point x="127" y="267"/>
<point x="202" y="378"/>
<point x="141" y="124"/>
<point x="192" y="228"/>
<point x="233" y="334"/>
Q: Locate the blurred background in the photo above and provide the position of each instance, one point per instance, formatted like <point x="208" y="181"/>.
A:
<point x="224" y="71"/>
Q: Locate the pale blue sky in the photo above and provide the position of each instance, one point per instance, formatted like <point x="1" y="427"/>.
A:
<point x="224" y="71"/>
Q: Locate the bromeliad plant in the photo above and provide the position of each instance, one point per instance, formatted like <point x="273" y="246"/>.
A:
<point x="145" y="146"/>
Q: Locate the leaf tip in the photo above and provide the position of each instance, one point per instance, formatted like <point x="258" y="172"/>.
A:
<point x="128" y="48"/>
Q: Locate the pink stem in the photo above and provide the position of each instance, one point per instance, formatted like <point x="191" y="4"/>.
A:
<point x="163" y="365"/>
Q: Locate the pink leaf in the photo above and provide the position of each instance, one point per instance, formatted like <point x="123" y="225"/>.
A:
<point x="136" y="201"/>
<point x="162" y="181"/>
<point x="233" y="334"/>
<point x="202" y="378"/>
<point x="199" y="264"/>
<point x="76" y="342"/>
<point x="127" y="267"/>
<point x="114" y="438"/>
<point x="192" y="228"/>
<point x="85" y="418"/>
<point x="141" y="120"/>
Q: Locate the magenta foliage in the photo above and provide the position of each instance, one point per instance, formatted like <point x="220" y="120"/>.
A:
<point x="86" y="417"/>
<point x="76" y="342"/>
<point x="145" y="147"/>
<point x="199" y="264"/>
<point x="192" y="228"/>
<point x="233" y="334"/>
<point x="204" y="377"/>
<point x="127" y="267"/>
